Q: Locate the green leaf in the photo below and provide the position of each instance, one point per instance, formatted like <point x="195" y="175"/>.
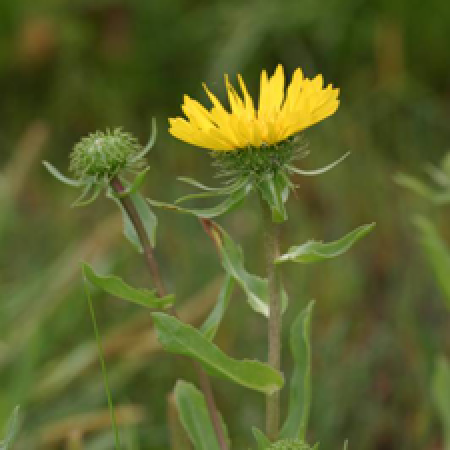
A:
<point x="345" y="445"/>
<point x="208" y="213"/>
<point x="116" y="286"/>
<point x="211" y="324"/>
<point x="147" y="216"/>
<point x="274" y="191"/>
<point x="311" y="173"/>
<point x="194" y="417"/>
<point x="261" y="439"/>
<point x="313" y="251"/>
<point x="255" y="288"/>
<point x="300" y="387"/>
<point x="12" y="428"/>
<point x="177" y="337"/>
<point x="128" y="227"/>
<point x="214" y="192"/>
<point x="199" y="185"/>
<point x="420" y="188"/>
<point x="438" y="256"/>
<point x="441" y="395"/>
<point x="60" y="177"/>
<point x="83" y="199"/>
<point x="136" y="184"/>
<point x="150" y="143"/>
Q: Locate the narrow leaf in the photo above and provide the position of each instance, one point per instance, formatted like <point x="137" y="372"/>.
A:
<point x="194" y="417"/>
<point x="177" y="337"/>
<point x="211" y="324"/>
<point x="310" y="173"/>
<point x="12" y="428"/>
<point x="260" y="439"/>
<point x="84" y="199"/>
<point x="313" y="251"/>
<point x="255" y="288"/>
<point x="346" y="445"/>
<point x="208" y="213"/>
<point x="128" y="227"/>
<point x="300" y="387"/>
<point x="420" y="188"/>
<point x="273" y="191"/>
<point x="59" y="176"/>
<point x="136" y="184"/>
<point x="147" y="216"/>
<point x="116" y="286"/>
<point x="214" y="192"/>
<point x="150" y="143"/>
<point x="437" y="254"/>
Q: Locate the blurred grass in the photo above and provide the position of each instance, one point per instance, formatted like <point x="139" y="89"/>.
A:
<point x="69" y="68"/>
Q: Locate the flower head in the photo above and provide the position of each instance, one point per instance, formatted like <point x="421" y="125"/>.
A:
<point x="279" y="114"/>
<point x="104" y="154"/>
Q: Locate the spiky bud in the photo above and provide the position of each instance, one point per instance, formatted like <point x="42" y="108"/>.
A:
<point x="104" y="154"/>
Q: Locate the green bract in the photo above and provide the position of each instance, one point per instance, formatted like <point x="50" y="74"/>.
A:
<point x="254" y="163"/>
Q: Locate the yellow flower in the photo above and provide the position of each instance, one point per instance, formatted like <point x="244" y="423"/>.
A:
<point x="278" y="116"/>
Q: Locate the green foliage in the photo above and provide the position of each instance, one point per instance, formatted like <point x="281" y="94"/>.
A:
<point x="149" y="219"/>
<point x="232" y="200"/>
<point x="312" y="251"/>
<point x="441" y="395"/>
<point x="11" y="430"/>
<point x="194" y="416"/>
<point x="439" y="191"/>
<point x="296" y="422"/>
<point x="255" y="288"/>
<point x="261" y="439"/>
<point x="436" y="253"/>
<point x="179" y="338"/>
<point x="274" y="190"/>
<point x="290" y="444"/>
<point x="116" y="286"/>
<point x="211" y="324"/>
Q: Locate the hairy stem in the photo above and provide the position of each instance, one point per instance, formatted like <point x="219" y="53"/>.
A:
<point x="271" y="246"/>
<point x="205" y="384"/>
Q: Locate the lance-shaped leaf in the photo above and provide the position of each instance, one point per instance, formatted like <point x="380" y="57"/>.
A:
<point x="116" y="286"/>
<point x="255" y="288"/>
<point x="12" y="428"/>
<point x="177" y="337"/>
<point x="135" y="184"/>
<point x="300" y="387"/>
<point x="147" y="216"/>
<point x="275" y="191"/>
<point x="320" y="171"/>
<point x="60" y="177"/>
<point x="437" y="254"/>
<point x="212" y="192"/>
<point x="208" y="213"/>
<point x="260" y="438"/>
<point x="420" y="188"/>
<point x="313" y="251"/>
<point x="211" y="324"/>
<point x="194" y="417"/>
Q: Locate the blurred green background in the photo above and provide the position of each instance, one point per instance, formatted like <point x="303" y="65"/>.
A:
<point x="68" y="68"/>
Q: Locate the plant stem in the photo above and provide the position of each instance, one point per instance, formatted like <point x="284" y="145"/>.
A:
<point x="205" y="384"/>
<point x="271" y="246"/>
<point x="104" y="372"/>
